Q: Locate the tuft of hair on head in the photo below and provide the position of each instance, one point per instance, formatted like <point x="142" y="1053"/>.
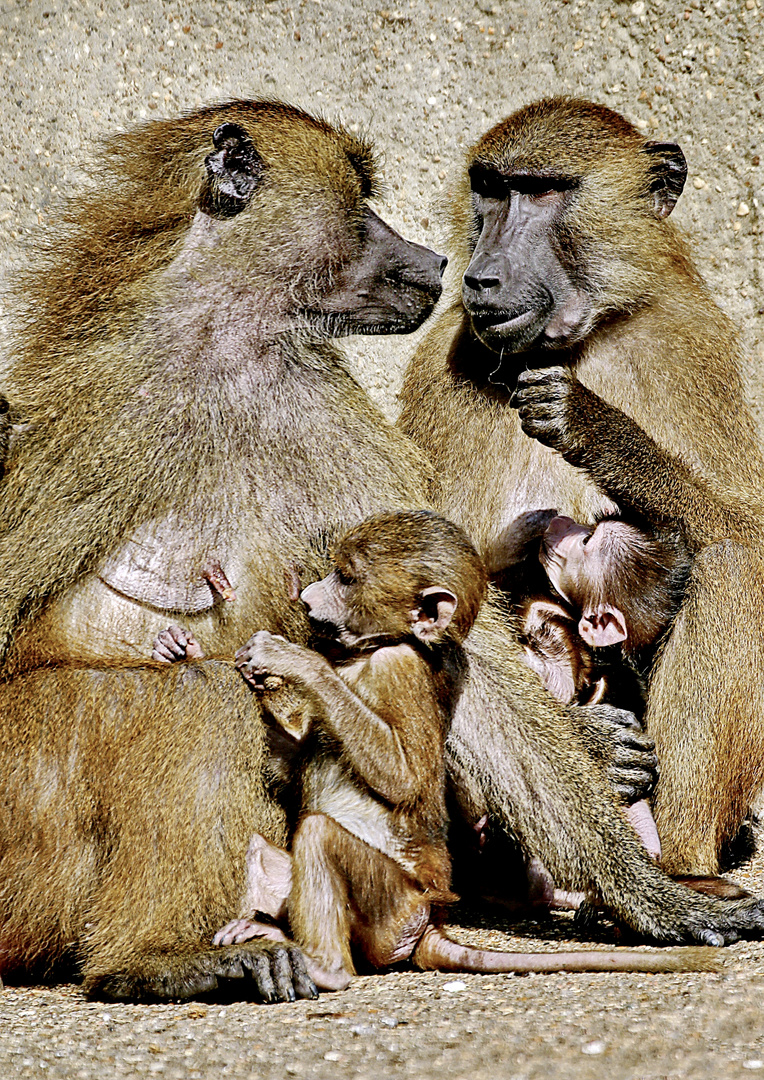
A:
<point x="416" y="550"/>
<point x="645" y="577"/>
<point x="147" y="185"/>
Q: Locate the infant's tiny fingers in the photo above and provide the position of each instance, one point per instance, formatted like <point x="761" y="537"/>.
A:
<point x="171" y="643"/>
<point x="160" y="655"/>
<point x="194" y="650"/>
<point x="239" y="931"/>
<point x="246" y="934"/>
<point x="255" y="676"/>
<point x="228" y="934"/>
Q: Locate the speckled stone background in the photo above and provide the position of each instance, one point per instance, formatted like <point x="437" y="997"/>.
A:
<point x="424" y="78"/>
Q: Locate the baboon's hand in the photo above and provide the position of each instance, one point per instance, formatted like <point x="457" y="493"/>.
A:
<point x="615" y="737"/>
<point x="174" y="644"/>
<point x="240" y="930"/>
<point x="277" y="970"/>
<point x="266" y="655"/>
<point x="557" y="410"/>
<point x="683" y="916"/>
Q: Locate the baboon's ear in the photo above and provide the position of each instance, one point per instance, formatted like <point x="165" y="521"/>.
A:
<point x="668" y="170"/>
<point x="436" y="610"/>
<point x="603" y="626"/>
<point x="234" y="170"/>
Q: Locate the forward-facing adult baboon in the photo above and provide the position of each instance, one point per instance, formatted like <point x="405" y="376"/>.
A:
<point x="568" y="260"/>
<point x="190" y="435"/>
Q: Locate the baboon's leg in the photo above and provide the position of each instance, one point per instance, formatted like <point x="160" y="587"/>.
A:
<point x="319" y="905"/>
<point x="706" y="710"/>
<point x="391" y="909"/>
<point x="344" y="890"/>
<point x="123" y="840"/>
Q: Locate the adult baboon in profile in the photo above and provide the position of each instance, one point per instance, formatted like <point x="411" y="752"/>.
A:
<point x="190" y="433"/>
<point x="568" y="260"/>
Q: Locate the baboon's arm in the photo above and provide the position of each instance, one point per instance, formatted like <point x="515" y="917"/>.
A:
<point x="372" y="743"/>
<point x="625" y="463"/>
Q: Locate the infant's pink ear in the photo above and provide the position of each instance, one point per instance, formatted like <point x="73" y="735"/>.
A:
<point x="438" y="605"/>
<point x="603" y="625"/>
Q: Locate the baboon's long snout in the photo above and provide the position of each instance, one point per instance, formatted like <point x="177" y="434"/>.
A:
<point x="425" y="267"/>
<point x="389" y="288"/>
<point x="413" y="264"/>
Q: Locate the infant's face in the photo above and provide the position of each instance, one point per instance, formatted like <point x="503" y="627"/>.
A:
<point x="568" y="555"/>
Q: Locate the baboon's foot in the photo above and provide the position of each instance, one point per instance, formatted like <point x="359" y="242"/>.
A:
<point x="258" y="970"/>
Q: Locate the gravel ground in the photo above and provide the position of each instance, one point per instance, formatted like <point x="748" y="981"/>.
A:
<point x="424" y="79"/>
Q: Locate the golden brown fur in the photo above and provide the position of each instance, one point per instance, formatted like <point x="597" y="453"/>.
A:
<point x="191" y="415"/>
<point x="370" y="872"/>
<point x="150" y="400"/>
<point x="653" y="348"/>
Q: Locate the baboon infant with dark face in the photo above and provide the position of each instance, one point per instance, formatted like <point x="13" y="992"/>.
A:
<point x="370" y="874"/>
<point x="593" y="601"/>
<point x="579" y="589"/>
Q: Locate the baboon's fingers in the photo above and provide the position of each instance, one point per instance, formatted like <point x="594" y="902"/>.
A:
<point x="304" y="987"/>
<point x="170" y="645"/>
<point x="278" y="971"/>
<point x="630" y="787"/>
<point x="712" y="937"/>
<point x="234" y="933"/>
<point x="642" y="744"/>
<point x="282" y="974"/>
<point x="703" y="920"/>
<point x="259" y="967"/>
<point x="185" y="642"/>
<point x="255" y="676"/>
<point x="614" y="736"/>
<point x="544" y="400"/>
<point x="541" y="377"/>
<point x="265" y="970"/>
<point x="240" y="930"/>
<point x="616" y="719"/>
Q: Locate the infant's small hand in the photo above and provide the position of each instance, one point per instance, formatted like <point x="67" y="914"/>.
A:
<point x="174" y="644"/>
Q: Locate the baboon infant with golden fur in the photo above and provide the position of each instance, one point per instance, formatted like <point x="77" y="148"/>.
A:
<point x="370" y="871"/>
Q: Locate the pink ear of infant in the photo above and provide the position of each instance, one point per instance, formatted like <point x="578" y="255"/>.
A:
<point x="602" y="626"/>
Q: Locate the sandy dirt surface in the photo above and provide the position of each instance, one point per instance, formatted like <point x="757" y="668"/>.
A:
<point x="424" y="79"/>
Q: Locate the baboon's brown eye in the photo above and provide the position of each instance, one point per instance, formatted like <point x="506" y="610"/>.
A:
<point x="537" y="186"/>
<point x="487" y="183"/>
